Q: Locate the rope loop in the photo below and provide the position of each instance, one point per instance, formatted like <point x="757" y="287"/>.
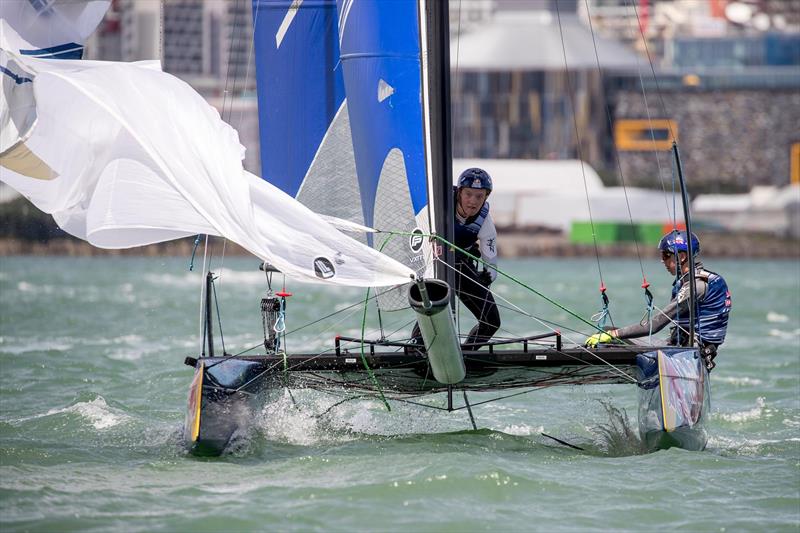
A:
<point x="280" y="323"/>
<point x="194" y="250"/>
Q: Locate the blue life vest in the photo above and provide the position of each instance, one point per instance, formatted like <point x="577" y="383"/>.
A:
<point x="711" y="322"/>
<point x="466" y="234"/>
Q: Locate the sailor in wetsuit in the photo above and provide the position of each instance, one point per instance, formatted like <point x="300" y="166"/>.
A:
<point x="475" y="233"/>
<point x="713" y="303"/>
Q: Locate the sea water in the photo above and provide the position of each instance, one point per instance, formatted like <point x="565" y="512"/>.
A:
<point x="93" y="390"/>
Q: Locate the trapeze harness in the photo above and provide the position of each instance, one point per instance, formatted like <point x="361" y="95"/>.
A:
<point x="711" y="322"/>
<point x="466" y="234"/>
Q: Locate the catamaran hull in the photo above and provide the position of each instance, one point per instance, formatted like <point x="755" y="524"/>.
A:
<point x="224" y="400"/>
<point x="674" y="399"/>
<point x="228" y="394"/>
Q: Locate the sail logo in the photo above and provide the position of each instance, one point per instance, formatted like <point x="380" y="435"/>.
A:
<point x="416" y="240"/>
<point x="323" y="268"/>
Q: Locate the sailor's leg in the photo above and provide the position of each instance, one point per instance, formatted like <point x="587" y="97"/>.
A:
<point x="479" y="300"/>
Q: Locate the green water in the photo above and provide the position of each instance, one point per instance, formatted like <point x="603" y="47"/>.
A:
<point x="93" y="388"/>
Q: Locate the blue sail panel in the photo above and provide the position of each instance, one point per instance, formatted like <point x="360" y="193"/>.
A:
<point x="300" y="85"/>
<point x="381" y="61"/>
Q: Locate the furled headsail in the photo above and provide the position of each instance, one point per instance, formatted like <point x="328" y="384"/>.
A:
<point x="341" y="115"/>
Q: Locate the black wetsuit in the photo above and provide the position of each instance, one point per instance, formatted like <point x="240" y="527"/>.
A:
<point x="472" y="286"/>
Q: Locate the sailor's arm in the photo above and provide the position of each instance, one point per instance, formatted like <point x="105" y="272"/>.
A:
<point x="663" y="317"/>
<point x="487" y="237"/>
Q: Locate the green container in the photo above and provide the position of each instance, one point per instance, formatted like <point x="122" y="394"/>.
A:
<point x="650" y="233"/>
<point x="606" y="232"/>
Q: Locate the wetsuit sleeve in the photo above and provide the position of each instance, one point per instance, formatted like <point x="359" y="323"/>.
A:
<point x="487" y="237"/>
<point x="680" y="305"/>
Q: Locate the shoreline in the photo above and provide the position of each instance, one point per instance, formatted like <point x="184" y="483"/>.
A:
<point x="511" y="244"/>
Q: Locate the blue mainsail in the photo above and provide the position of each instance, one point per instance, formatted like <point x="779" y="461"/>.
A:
<point x="341" y="112"/>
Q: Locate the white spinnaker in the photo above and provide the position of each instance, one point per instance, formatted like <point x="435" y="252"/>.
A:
<point x="136" y="156"/>
<point x="45" y="27"/>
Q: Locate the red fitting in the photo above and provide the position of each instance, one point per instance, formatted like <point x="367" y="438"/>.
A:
<point x="283" y="294"/>
<point x="644" y="283"/>
<point x="602" y="287"/>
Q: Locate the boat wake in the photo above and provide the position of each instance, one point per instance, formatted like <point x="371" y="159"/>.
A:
<point x="619" y="436"/>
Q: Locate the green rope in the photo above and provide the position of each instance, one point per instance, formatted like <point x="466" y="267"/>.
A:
<point x="508" y="276"/>
<point x="363" y="331"/>
<point x="364" y="356"/>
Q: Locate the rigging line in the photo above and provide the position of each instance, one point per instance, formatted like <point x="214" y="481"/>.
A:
<point x="508" y="276"/>
<point x="457" y="72"/>
<point x="590" y="352"/>
<point x="647" y="109"/>
<point x="571" y="97"/>
<point x="518" y="282"/>
<point x="219" y="316"/>
<point x="511" y="306"/>
<point x="611" y="127"/>
<point x="259" y="345"/>
<point x="202" y="322"/>
<point x="652" y="69"/>
<point x="515" y="308"/>
<point x="228" y="67"/>
<point x="364" y="356"/>
<point x="249" y="60"/>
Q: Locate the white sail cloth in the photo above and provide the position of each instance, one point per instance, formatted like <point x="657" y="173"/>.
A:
<point x="125" y="155"/>
<point x="54" y="28"/>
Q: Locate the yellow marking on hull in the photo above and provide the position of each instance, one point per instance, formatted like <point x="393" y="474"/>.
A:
<point x="662" y="372"/>
<point x="196" y="395"/>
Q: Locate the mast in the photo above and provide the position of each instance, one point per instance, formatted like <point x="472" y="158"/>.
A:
<point x="688" y="219"/>
<point x="437" y="20"/>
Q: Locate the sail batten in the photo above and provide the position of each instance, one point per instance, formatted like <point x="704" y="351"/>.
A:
<point x="341" y="116"/>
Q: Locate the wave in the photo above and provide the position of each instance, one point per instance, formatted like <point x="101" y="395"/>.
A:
<point x="751" y="414"/>
<point x="56" y="344"/>
<point x="776" y="317"/>
<point x="742" y="381"/>
<point x="97" y="412"/>
<point x="784" y="334"/>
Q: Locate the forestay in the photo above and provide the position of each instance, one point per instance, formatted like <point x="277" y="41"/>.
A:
<point x="340" y="87"/>
<point x="125" y="155"/>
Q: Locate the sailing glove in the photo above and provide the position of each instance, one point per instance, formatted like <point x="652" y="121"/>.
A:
<point x="485" y="278"/>
<point x="598" y="338"/>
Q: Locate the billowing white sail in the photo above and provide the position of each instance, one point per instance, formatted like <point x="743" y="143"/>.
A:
<point x="124" y="155"/>
<point x="50" y="28"/>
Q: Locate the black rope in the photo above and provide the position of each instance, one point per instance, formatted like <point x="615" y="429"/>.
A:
<point x="565" y="443"/>
<point x="469" y="410"/>
<point x="219" y="317"/>
<point x="616" y="151"/>
<point x="571" y="96"/>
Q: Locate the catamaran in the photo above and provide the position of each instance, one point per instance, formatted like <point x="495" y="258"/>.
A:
<point x="355" y="136"/>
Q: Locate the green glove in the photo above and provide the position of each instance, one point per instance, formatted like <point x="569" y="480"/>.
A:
<point x="598" y="338"/>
